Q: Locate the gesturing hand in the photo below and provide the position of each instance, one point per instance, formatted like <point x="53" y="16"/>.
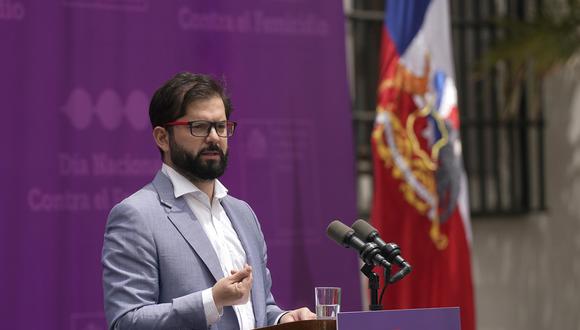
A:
<point x="233" y="289"/>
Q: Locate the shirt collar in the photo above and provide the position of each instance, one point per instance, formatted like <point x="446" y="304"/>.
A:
<point x="182" y="186"/>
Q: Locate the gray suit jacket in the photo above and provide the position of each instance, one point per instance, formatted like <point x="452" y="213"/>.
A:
<point x="157" y="260"/>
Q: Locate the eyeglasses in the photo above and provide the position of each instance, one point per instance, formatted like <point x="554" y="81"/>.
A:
<point x="202" y="128"/>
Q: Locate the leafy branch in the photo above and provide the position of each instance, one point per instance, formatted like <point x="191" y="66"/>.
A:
<point x="534" y="47"/>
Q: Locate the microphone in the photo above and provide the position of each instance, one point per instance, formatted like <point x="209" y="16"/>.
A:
<point x="345" y="236"/>
<point x="390" y="251"/>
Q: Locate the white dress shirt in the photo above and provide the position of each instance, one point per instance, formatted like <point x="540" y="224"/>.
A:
<point x="223" y="238"/>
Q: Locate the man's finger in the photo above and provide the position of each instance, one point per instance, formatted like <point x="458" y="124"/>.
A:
<point x="240" y="275"/>
<point x="247" y="282"/>
<point x="306" y="314"/>
<point x="249" y="278"/>
<point x="302" y="314"/>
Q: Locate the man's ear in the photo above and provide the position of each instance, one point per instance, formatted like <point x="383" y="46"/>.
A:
<point x="161" y="137"/>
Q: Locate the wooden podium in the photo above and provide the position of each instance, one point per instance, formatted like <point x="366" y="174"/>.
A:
<point x="304" y="325"/>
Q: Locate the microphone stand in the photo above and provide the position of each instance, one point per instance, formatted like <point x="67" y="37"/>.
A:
<point x="374" y="285"/>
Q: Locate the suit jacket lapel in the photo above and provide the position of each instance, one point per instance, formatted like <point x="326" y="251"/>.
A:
<point x="241" y="225"/>
<point x="187" y="224"/>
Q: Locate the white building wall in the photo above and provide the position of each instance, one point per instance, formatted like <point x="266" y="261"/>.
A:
<point x="527" y="270"/>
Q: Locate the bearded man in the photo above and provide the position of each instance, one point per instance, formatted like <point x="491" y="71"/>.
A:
<point x="181" y="253"/>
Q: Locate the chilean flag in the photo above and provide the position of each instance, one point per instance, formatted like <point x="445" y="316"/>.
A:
<point x="420" y="190"/>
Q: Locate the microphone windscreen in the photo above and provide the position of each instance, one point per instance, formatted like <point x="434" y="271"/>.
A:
<point x="338" y="231"/>
<point x="362" y="229"/>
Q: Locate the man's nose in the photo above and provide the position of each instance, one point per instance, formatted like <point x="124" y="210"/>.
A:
<point x="212" y="136"/>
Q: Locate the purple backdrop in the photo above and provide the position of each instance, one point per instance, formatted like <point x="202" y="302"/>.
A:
<point x="76" y="77"/>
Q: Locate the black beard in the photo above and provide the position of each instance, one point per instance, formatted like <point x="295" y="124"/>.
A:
<point x="195" y="168"/>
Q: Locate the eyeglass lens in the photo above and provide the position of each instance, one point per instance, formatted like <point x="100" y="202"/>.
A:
<point x="203" y="128"/>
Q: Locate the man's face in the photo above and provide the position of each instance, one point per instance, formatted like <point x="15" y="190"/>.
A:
<point x="200" y="158"/>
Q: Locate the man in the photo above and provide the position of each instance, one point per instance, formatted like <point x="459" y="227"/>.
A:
<point x="181" y="253"/>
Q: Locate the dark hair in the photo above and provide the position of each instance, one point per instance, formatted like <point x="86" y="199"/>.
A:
<point x="171" y="100"/>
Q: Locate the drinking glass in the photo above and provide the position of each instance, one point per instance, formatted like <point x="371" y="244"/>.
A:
<point x="327" y="302"/>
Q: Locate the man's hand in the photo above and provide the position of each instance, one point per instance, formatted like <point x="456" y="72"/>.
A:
<point x="300" y="314"/>
<point x="234" y="289"/>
